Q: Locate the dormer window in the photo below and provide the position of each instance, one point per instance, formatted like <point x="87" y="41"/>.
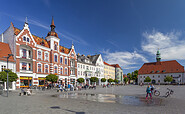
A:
<point x="55" y="46"/>
<point x="42" y="43"/>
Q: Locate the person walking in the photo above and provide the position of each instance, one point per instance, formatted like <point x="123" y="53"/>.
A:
<point x="148" y="91"/>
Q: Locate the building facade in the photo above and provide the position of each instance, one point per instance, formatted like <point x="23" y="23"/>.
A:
<point x="118" y="73"/>
<point x="157" y="71"/>
<point x="37" y="57"/>
<point x="109" y="71"/>
<point x="90" y="66"/>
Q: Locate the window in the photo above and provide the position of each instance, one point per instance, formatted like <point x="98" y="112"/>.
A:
<point x="159" y="81"/>
<point x="24" y="53"/>
<point x="3" y="67"/>
<point x="46" y="68"/>
<point x="24" y="38"/>
<point x="61" y="70"/>
<point x="78" y="72"/>
<point x="39" y="55"/>
<point x="55" y="71"/>
<point x="29" y="52"/>
<point x="153" y="76"/>
<point x="65" y="71"/>
<point x="29" y="65"/>
<point x="78" y="66"/>
<point x="158" y="76"/>
<point x="61" y="60"/>
<point x="83" y="66"/>
<point x="55" y="46"/>
<point x="28" y="40"/>
<point x="39" y="67"/>
<point x="87" y="67"/>
<point x="24" y="66"/>
<point x="66" y="61"/>
<point x="46" y="56"/>
<point x="55" y="58"/>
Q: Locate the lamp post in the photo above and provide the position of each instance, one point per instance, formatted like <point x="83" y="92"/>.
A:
<point x="7" y="86"/>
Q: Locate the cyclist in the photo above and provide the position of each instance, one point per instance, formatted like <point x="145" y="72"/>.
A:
<point x="152" y="88"/>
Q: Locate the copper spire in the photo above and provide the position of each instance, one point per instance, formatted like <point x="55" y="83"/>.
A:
<point x="52" y="25"/>
<point x="52" y="22"/>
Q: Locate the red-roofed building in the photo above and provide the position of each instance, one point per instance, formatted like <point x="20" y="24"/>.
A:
<point x="4" y="51"/>
<point x="118" y="73"/>
<point x="37" y="57"/>
<point x="157" y="71"/>
<point x="109" y="71"/>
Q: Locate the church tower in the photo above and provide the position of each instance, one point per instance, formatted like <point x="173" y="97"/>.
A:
<point x="158" y="56"/>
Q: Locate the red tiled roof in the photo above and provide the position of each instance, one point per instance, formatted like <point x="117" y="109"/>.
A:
<point x="116" y="65"/>
<point x="161" y="67"/>
<point x="4" y="51"/>
<point x="64" y="50"/>
<point x="107" y="64"/>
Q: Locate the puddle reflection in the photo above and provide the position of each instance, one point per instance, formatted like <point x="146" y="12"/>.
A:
<point x="110" y="98"/>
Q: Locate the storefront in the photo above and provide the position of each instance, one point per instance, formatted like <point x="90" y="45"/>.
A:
<point x="25" y="81"/>
<point x="42" y="81"/>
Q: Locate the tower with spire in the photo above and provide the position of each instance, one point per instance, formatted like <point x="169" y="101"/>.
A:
<point x="52" y="37"/>
<point x="158" y="56"/>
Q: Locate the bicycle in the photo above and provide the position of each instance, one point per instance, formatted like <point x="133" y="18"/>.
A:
<point x="169" y="92"/>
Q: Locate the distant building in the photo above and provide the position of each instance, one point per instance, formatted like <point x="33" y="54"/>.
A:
<point x="158" y="71"/>
<point x="90" y="66"/>
<point x="118" y="73"/>
<point x="109" y="71"/>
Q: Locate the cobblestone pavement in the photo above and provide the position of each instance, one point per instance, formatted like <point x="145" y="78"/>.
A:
<point x="48" y="102"/>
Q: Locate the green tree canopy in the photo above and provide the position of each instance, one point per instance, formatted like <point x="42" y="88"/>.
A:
<point x="80" y="80"/>
<point x="168" y="79"/>
<point x="110" y="80"/>
<point x="94" y="79"/>
<point x="52" y="78"/>
<point x="103" y="80"/>
<point x="147" y="79"/>
<point x="125" y="80"/>
<point x="116" y="81"/>
<point x="11" y="76"/>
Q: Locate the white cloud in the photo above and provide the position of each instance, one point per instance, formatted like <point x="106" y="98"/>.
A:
<point x="127" y="60"/>
<point x="169" y="44"/>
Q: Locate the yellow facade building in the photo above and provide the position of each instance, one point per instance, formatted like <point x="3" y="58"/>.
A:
<point x="109" y="71"/>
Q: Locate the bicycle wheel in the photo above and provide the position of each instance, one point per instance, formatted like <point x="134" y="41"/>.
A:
<point x="167" y="94"/>
<point x="171" y="92"/>
<point x="156" y="93"/>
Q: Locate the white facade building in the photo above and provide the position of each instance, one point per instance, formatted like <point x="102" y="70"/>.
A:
<point x="90" y="66"/>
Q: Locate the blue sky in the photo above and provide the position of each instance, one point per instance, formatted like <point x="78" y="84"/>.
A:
<point x="127" y="32"/>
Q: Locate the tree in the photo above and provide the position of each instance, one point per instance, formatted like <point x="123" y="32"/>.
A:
<point x="80" y="80"/>
<point x="129" y="76"/>
<point x="94" y="79"/>
<point x="11" y="76"/>
<point x="168" y="79"/>
<point x="125" y="80"/>
<point x="103" y="80"/>
<point x="147" y="79"/>
<point x="52" y="78"/>
<point x="116" y="81"/>
<point x="110" y="80"/>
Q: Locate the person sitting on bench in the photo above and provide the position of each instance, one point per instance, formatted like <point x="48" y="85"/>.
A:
<point x="23" y="91"/>
<point x="28" y="91"/>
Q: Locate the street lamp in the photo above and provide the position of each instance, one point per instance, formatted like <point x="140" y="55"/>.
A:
<point x="7" y="86"/>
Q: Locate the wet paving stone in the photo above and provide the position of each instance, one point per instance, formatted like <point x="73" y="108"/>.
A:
<point x="111" y="98"/>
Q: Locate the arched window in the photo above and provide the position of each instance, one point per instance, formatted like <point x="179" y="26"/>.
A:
<point x="55" y="46"/>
